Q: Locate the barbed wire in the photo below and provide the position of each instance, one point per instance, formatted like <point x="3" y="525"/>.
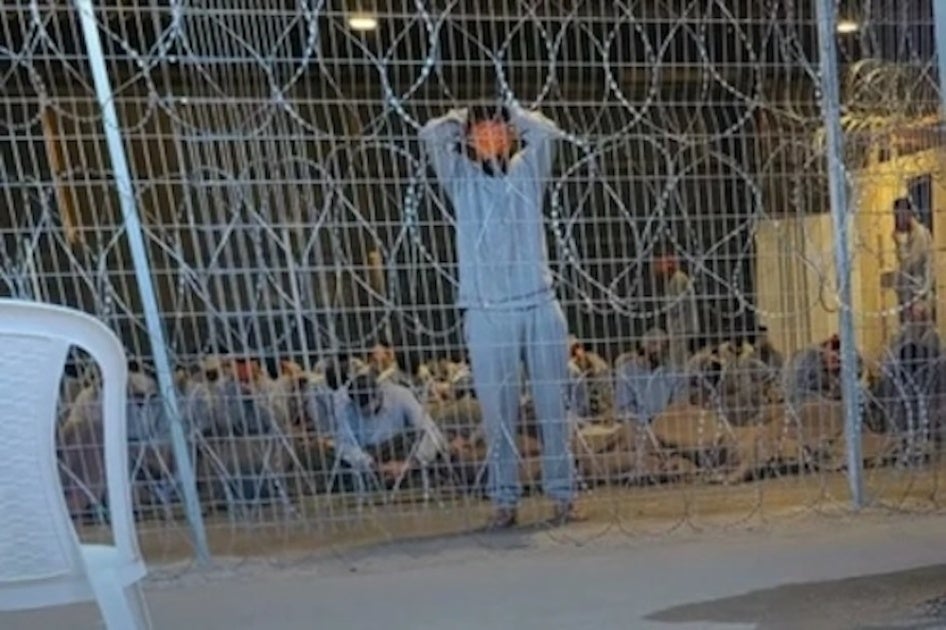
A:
<point x="274" y="150"/>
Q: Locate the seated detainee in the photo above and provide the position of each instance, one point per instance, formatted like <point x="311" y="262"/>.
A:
<point x="382" y="427"/>
<point x="815" y="373"/>
<point x="399" y="367"/>
<point x="764" y="350"/>
<point x="587" y="362"/>
<point x="381" y="359"/>
<point x="321" y="394"/>
<point x="579" y="397"/>
<point x="910" y="386"/>
<point x="461" y="381"/>
<point x="770" y="363"/>
<point x="918" y="329"/>
<point x="447" y="380"/>
<point x="704" y="375"/>
<point x="591" y="391"/>
<point x="644" y="382"/>
<point x="312" y="433"/>
<point x="745" y="384"/>
<point x="743" y="391"/>
<point x="353" y="364"/>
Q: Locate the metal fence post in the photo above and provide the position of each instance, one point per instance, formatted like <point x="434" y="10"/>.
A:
<point x="939" y="19"/>
<point x="132" y="222"/>
<point x="837" y="183"/>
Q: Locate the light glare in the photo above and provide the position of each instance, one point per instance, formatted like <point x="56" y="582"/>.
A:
<point x="848" y="26"/>
<point x="362" y="22"/>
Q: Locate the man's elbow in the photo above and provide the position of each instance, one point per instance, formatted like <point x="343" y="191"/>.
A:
<point x="428" y="135"/>
<point x="433" y="130"/>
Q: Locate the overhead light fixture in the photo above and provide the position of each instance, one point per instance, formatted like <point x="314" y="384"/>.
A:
<point x="846" y="27"/>
<point x="363" y="22"/>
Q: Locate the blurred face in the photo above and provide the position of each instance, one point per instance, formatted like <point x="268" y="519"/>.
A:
<point x="577" y="351"/>
<point x="247" y="374"/>
<point x="918" y="313"/>
<point x="665" y="265"/>
<point x="832" y="359"/>
<point x="491" y="140"/>
<point x="653" y="352"/>
<point x="902" y="220"/>
<point x="382" y="356"/>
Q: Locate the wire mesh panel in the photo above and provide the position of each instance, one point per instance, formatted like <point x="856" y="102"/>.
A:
<point x="308" y="257"/>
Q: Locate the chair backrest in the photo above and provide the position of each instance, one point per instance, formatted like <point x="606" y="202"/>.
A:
<point x="37" y="539"/>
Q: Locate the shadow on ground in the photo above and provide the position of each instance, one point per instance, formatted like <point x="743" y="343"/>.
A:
<point x="904" y="600"/>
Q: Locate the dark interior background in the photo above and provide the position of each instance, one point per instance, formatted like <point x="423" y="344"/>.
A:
<point x="273" y="150"/>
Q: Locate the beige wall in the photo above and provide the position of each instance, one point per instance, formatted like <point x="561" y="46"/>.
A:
<point x="875" y="189"/>
<point x="795" y="260"/>
<point x="795" y="280"/>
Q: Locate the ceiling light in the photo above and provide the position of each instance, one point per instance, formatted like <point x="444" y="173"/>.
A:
<point x="362" y="22"/>
<point x="846" y="27"/>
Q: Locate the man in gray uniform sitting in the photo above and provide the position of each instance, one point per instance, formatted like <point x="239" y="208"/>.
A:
<point x="382" y="427"/>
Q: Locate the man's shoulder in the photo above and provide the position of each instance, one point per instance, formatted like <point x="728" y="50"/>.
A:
<point x="631" y="365"/>
<point x="805" y="356"/>
<point x="680" y="281"/>
<point x="395" y="390"/>
<point x="919" y="233"/>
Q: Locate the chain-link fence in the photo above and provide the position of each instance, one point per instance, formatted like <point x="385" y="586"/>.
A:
<point x="748" y="307"/>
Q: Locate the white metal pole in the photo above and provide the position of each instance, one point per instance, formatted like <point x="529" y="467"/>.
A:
<point x="132" y="223"/>
<point x="837" y="184"/>
<point x="939" y="19"/>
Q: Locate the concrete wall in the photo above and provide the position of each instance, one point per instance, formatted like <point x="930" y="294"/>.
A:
<point x="795" y="272"/>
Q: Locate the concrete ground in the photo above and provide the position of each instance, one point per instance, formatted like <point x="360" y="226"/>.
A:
<point x="817" y="572"/>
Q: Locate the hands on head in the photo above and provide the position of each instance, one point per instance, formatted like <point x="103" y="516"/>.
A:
<point x="489" y="134"/>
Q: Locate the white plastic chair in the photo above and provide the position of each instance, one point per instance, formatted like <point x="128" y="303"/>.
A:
<point x="42" y="562"/>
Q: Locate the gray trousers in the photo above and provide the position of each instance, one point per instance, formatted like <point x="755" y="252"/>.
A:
<point x="498" y="342"/>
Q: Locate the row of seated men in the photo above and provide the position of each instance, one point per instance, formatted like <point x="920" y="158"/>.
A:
<point x="732" y="411"/>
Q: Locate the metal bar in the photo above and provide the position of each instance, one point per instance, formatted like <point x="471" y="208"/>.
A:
<point x="296" y="294"/>
<point x="132" y="222"/>
<point x="837" y="186"/>
<point x="939" y="20"/>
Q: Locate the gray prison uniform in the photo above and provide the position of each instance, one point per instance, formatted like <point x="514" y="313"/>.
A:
<point x="320" y="407"/>
<point x="591" y="393"/>
<point x="579" y="396"/>
<point x="682" y="318"/>
<point x="506" y="291"/>
<point x="642" y="393"/>
<point x="400" y="414"/>
<point x="806" y="378"/>
<point x="914" y="278"/>
<point x="917" y="333"/>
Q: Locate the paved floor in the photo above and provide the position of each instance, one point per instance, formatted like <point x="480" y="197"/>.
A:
<point x="791" y="576"/>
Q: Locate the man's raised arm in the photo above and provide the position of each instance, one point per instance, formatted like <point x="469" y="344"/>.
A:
<point x="442" y="137"/>
<point x="538" y="133"/>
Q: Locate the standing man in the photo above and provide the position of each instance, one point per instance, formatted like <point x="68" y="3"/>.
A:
<point x="913" y="279"/>
<point x="494" y="164"/>
<point x="678" y="308"/>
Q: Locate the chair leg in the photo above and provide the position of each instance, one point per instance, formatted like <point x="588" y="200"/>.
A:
<point x="123" y="608"/>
